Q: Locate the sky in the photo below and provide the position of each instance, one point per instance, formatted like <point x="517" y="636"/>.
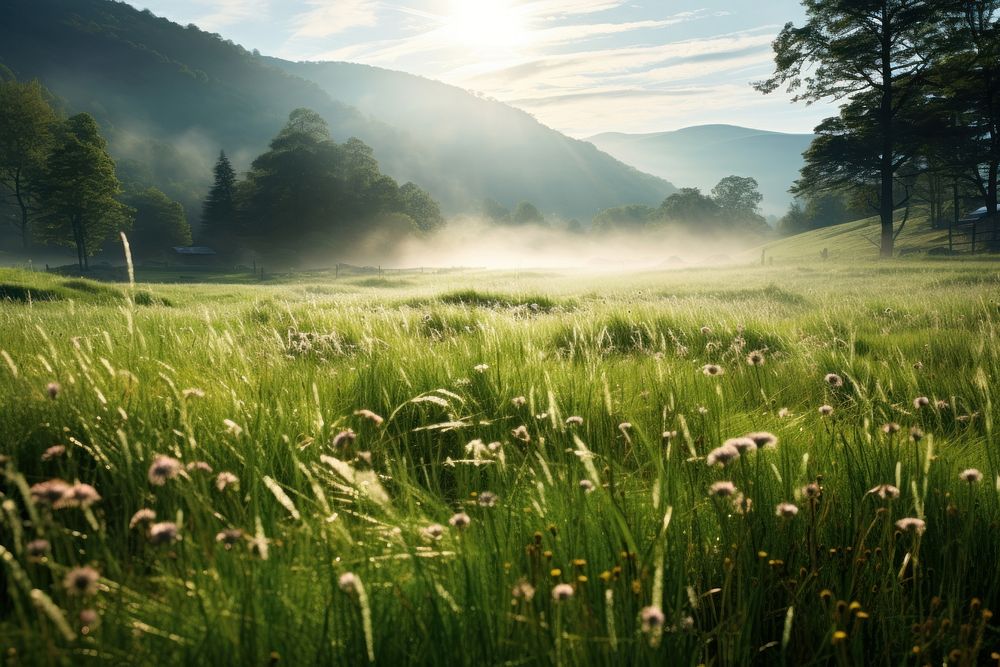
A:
<point x="580" y="66"/>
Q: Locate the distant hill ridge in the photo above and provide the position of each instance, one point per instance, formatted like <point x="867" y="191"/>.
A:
<point x="700" y="156"/>
<point x="169" y="97"/>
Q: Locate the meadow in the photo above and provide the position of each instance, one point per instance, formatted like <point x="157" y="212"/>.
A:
<point x="504" y="468"/>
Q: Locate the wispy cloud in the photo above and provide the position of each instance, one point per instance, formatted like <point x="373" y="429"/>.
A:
<point x="224" y="13"/>
<point x="323" y="18"/>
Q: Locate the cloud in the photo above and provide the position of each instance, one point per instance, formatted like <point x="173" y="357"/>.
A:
<point x="223" y="13"/>
<point x="329" y="17"/>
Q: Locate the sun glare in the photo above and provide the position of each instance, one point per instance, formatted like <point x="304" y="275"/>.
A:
<point x="485" y="25"/>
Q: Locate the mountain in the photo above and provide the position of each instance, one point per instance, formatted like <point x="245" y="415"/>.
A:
<point x="701" y="156"/>
<point x="170" y="97"/>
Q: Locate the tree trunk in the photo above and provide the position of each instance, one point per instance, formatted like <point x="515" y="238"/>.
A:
<point x="23" y="205"/>
<point x="78" y="240"/>
<point x="886" y="171"/>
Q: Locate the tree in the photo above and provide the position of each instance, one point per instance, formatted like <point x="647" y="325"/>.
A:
<point x="631" y="218"/>
<point x="496" y="212"/>
<point x="159" y="224"/>
<point x="527" y="213"/>
<point x="79" y="190"/>
<point x="690" y="207"/>
<point x="218" y="216"/>
<point x="870" y="54"/>
<point x="738" y="197"/>
<point x="419" y="205"/>
<point x="26" y="125"/>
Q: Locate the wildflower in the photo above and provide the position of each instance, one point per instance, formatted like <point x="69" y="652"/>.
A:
<point x="763" y="439"/>
<point x="586" y="485"/>
<point x="141" y="516"/>
<point x="562" y="592"/>
<point x="163" y="468"/>
<point x="833" y="380"/>
<point x="78" y="495"/>
<point x="460" y="520"/>
<point x="50" y="492"/>
<point x="487" y="499"/>
<point x="481" y="368"/>
<point x="890" y="428"/>
<point x="574" y="421"/>
<point x="702" y="410"/>
<point x="38" y="548"/>
<point x="81" y="581"/>
<point x="812" y="490"/>
<point x="371" y="416"/>
<point x="224" y="479"/>
<point x="193" y="392"/>
<point x="918" y="366"/>
<point x="521" y="433"/>
<point x="652" y="618"/>
<point x="712" y="370"/>
<point x="916" y="435"/>
<point x="199" y="466"/>
<point x="434" y="531"/>
<point x="742" y="445"/>
<point x="942" y="405"/>
<point x="921" y="402"/>
<point x="232" y="427"/>
<point x="742" y="504"/>
<point x="229" y="538"/>
<point x="53" y="452"/>
<point x="755" y="358"/>
<point x="349" y="582"/>
<point x="722" y="489"/>
<point x="970" y="475"/>
<point x="523" y="591"/>
<point x="53" y="389"/>
<point x="826" y="410"/>
<point x="669" y="435"/>
<point x="722" y="455"/>
<point x="89" y="618"/>
<point x="786" y="510"/>
<point x="918" y="526"/>
<point x="519" y="401"/>
<point x="345" y="437"/>
<point x="706" y="331"/>
<point x="885" y="491"/>
<point x="784" y="413"/>
<point x="165" y="532"/>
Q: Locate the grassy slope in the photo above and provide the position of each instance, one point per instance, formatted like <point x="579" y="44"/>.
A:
<point x="610" y="349"/>
<point x="855" y="240"/>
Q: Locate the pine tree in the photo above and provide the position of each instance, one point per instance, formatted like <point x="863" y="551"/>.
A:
<point x="79" y="190"/>
<point x="218" y="216"/>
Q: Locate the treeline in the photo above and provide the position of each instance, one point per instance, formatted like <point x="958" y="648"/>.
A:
<point x="918" y="84"/>
<point x="732" y="208"/>
<point x="307" y="192"/>
<point x="59" y="187"/>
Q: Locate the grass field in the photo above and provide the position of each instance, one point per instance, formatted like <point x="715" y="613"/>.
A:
<point x="531" y="485"/>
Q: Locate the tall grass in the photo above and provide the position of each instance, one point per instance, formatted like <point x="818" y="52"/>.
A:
<point x="337" y="546"/>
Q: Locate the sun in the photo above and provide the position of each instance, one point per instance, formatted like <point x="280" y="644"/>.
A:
<point x="485" y="25"/>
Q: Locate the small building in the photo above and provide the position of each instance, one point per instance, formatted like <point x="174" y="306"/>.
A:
<point x="196" y="255"/>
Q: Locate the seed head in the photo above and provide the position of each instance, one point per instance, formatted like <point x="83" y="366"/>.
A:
<point x="519" y="401"/>
<point x="885" y="491"/>
<point x="50" y="492"/>
<point x="826" y="410"/>
<point x="89" y="618"/>
<point x="53" y="452"/>
<point x="434" y="531"/>
<point x="755" y="358"/>
<point x="371" y="416"/>
<point x="199" y="466"/>
<point x="763" y="439"/>
<point x="165" y="532"/>
<point x="833" y="380"/>
<point x="481" y="368"/>
<point x="141" y="516"/>
<point x="344" y="438"/>
<point x="669" y="435"/>
<point x="743" y="445"/>
<point x="562" y="592"/>
<point x="521" y="433"/>
<point x="786" y="510"/>
<point x="53" y="389"/>
<point x="224" y="479"/>
<point x="722" y="489"/>
<point x="487" y="499"/>
<point x="921" y="402"/>
<point x="722" y="455"/>
<point x="163" y="468"/>
<point x="812" y="490"/>
<point x="890" y="428"/>
<point x="970" y="475"/>
<point x="459" y="520"/>
<point x="78" y="495"/>
<point x="81" y="581"/>
<point x="652" y="618"/>
<point x="229" y="538"/>
<point x="574" y="421"/>
<point x="38" y="548"/>
<point x="916" y="435"/>
<point x="706" y="331"/>
<point x="523" y="591"/>
<point x="349" y="582"/>
<point x="784" y="412"/>
<point x="918" y="526"/>
<point x="712" y="370"/>
<point x="586" y="485"/>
